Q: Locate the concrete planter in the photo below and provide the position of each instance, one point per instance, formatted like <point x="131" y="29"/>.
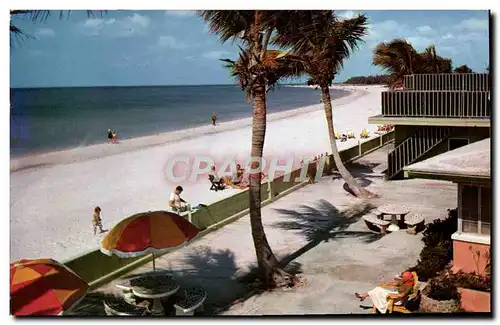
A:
<point x="429" y="305"/>
<point x="475" y="301"/>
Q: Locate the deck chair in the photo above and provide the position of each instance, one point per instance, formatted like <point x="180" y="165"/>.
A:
<point x="216" y="186"/>
<point x="410" y="304"/>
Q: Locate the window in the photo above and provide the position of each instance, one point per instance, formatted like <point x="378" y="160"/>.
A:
<point x="475" y="212"/>
<point x="454" y="143"/>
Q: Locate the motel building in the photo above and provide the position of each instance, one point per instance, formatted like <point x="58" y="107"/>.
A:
<point x="469" y="168"/>
<point x="442" y="131"/>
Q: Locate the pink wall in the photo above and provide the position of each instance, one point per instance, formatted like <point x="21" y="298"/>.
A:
<point x="466" y="258"/>
<point x="475" y="301"/>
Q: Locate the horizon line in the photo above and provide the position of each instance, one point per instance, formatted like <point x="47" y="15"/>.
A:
<point x="124" y="86"/>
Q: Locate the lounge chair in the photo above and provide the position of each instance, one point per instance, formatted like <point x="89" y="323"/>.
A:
<point x="216" y="186"/>
<point x="410" y="304"/>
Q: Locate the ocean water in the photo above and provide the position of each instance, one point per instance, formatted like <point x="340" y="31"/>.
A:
<point x="45" y="119"/>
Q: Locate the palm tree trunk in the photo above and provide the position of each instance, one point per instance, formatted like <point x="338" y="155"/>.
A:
<point x="346" y="176"/>
<point x="270" y="272"/>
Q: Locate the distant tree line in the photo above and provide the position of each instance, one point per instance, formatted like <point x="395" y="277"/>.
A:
<point x="382" y="79"/>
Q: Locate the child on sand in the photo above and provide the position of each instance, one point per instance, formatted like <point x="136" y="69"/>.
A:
<point x="115" y="137"/>
<point x="96" y="219"/>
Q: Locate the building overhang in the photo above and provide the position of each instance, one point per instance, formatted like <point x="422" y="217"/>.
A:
<point x="467" y="164"/>
<point x="456" y="178"/>
<point x="434" y="121"/>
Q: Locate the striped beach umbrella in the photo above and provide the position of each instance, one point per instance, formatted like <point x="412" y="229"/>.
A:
<point x="43" y="287"/>
<point x="148" y="233"/>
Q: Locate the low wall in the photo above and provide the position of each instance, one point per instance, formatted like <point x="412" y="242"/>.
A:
<point x="470" y="257"/>
<point x="475" y="301"/>
<point x="94" y="266"/>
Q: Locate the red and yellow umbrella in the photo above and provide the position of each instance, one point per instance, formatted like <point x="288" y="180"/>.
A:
<point x="149" y="232"/>
<point x="43" y="287"/>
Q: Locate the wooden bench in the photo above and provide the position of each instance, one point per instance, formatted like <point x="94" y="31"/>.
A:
<point x="415" y="224"/>
<point x="119" y="307"/>
<point x="190" y="300"/>
<point x="375" y="223"/>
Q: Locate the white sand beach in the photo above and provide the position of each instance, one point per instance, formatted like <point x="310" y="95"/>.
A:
<point x="52" y="195"/>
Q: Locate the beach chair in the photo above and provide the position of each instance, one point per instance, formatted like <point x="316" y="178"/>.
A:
<point x="216" y="186"/>
<point x="410" y="304"/>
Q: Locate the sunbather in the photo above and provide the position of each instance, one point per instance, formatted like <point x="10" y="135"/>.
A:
<point x="387" y="293"/>
<point x="217" y="178"/>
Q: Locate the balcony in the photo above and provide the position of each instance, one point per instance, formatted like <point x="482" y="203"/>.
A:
<point x="448" y="81"/>
<point x="436" y="104"/>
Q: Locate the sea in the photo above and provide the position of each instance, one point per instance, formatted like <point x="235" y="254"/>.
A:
<point x="48" y="119"/>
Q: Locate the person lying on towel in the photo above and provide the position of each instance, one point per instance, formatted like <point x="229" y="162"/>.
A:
<point x="396" y="290"/>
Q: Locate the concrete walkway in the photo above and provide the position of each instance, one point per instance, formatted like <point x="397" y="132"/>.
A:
<point x="333" y="249"/>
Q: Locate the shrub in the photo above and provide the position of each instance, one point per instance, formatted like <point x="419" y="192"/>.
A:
<point x="472" y="281"/>
<point x="438" y="247"/>
<point x="443" y="287"/>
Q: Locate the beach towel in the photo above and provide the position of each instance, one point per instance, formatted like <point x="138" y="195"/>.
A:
<point x="379" y="298"/>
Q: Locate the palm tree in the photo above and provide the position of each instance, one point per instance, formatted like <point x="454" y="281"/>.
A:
<point x="397" y="57"/>
<point x="430" y="62"/>
<point x="257" y="69"/>
<point x="320" y="43"/>
<point x="463" y="69"/>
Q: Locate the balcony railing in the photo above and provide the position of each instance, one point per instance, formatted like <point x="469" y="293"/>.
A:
<point x="436" y="104"/>
<point x="448" y="81"/>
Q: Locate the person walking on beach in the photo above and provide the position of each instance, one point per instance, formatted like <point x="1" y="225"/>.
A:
<point x="214" y="118"/>
<point x="96" y="220"/>
<point x="110" y="136"/>
<point x="177" y="203"/>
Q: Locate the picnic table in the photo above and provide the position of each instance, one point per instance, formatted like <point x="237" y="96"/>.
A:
<point x="393" y="211"/>
<point x="154" y="287"/>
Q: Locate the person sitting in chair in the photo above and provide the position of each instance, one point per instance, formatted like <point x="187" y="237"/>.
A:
<point x="176" y="202"/>
<point x="390" y="293"/>
<point x="217" y="178"/>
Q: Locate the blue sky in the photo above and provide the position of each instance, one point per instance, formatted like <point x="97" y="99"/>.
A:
<point x="174" y="47"/>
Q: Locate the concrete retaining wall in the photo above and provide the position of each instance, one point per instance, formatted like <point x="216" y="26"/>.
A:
<point x="97" y="268"/>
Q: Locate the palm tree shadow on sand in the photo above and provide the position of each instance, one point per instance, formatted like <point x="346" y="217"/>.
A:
<point x="225" y="283"/>
<point x="324" y="223"/>
<point x="214" y="270"/>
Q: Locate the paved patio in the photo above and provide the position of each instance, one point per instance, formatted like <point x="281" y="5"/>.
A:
<point x="319" y="227"/>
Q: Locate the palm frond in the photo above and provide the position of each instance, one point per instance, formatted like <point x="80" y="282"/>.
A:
<point x="228" y="24"/>
<point x="320" y="41"/>
<point x="39" y="16"/>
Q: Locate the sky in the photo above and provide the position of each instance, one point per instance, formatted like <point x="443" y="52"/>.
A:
<point x="127" y="48"/>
